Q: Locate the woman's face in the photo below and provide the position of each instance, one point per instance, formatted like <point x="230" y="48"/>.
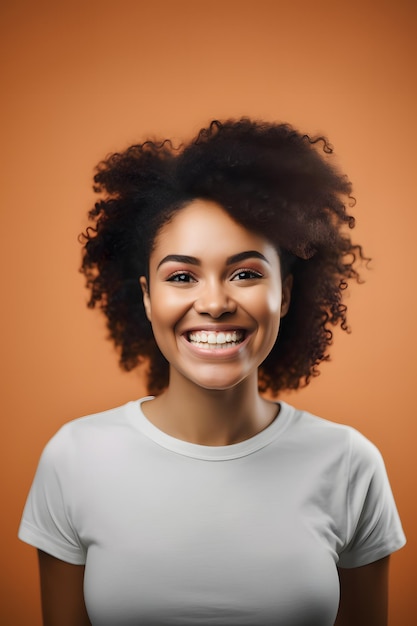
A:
<point x="215" y="296"/>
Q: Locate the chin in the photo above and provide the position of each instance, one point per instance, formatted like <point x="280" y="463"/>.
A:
<point x="214" y="383"/>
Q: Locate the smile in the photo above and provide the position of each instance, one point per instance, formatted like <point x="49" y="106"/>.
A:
<point x="210" y="340"/>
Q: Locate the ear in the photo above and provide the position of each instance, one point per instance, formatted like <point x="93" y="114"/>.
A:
<point x="146" y="298"/>
<point x="286" y="294"/>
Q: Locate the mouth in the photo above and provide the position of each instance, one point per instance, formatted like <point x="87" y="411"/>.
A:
<point x="213" y="340"/>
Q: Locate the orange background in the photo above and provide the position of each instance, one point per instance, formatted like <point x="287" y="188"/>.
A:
<point x="81" y="79"/>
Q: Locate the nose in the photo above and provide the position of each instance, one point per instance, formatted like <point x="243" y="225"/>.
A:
<point x="214" y="300"/>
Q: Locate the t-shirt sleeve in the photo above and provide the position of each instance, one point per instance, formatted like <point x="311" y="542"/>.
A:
<point x="373" y="525"/>
<point x="46" y="522"/>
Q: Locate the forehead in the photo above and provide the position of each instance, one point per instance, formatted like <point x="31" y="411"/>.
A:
<point x="204" y="229"/>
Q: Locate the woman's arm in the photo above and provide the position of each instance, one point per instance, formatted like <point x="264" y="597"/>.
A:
<point x="62" y="592"/>
<point x="364" y="595"/>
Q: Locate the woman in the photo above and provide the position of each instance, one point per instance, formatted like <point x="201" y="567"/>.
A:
<point x="222" y="265"/>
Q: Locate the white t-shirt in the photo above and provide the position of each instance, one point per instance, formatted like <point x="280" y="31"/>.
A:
<point x="174" y="533"/>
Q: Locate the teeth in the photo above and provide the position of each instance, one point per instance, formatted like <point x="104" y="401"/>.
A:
<point x="209" y="339"/>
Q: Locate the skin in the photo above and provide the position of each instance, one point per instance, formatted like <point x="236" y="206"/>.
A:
<point x="208" y="273"/>
<point x="364" y="595"/>
<point x="62" y="592"/>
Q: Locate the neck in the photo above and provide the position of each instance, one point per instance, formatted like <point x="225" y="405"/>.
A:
<point x="211" y="417"/>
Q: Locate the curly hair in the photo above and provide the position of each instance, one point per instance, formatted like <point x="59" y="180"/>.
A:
<point x="269" y="178"/>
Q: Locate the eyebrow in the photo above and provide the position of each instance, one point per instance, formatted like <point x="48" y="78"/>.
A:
<point x="235" y="258"/>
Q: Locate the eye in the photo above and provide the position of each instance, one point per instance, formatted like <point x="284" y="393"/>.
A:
<point x="246" y="275"/>
<point x="181" y="277"/>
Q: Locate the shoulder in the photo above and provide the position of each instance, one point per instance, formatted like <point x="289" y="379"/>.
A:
<point x="90" y="431"/>
<point x="322" y="435"/>
<point x="370" y="527"/>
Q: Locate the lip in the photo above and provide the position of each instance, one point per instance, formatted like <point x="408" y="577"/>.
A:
<point x="219" y="353"/>
<point x="214" y="328"/>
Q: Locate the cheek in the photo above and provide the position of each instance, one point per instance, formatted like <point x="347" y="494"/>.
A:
<point x="264" y="306"/>
<point x="274" y="302"/>
<point x="167" y="308"/>
<point x="267" y="312"/>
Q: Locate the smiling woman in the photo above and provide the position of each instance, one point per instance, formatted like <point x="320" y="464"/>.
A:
<point x="222" y="265"/>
